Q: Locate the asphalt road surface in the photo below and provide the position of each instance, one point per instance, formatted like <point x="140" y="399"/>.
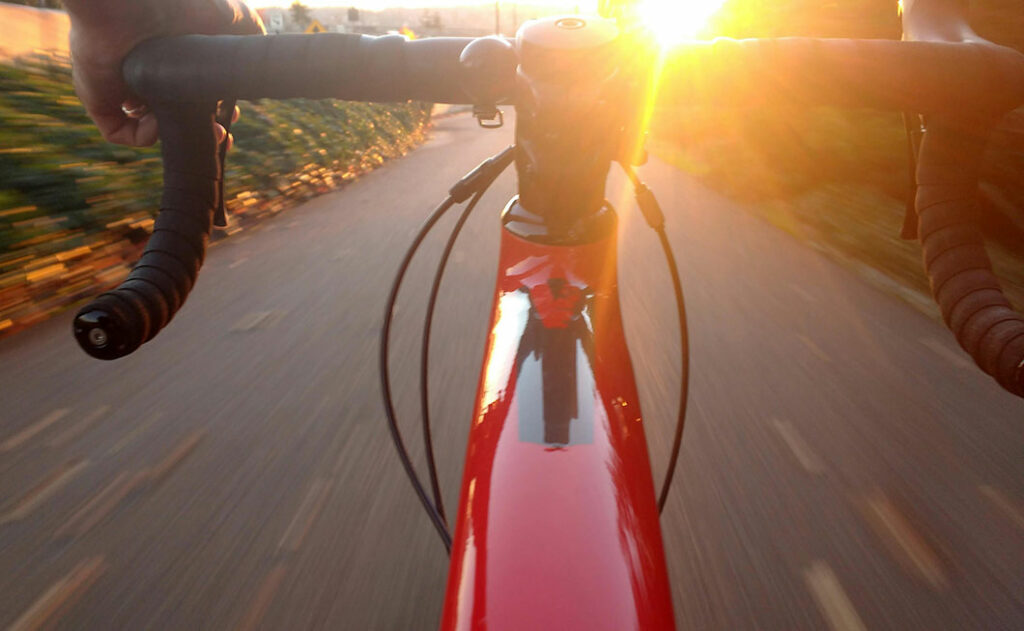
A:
<point x="844" y="468"/>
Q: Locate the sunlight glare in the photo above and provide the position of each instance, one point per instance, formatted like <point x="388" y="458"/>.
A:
<point x="673" y="21"/>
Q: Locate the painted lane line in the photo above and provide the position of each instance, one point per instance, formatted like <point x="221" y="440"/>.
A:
<point x="801" y="450"/>
<point x="261" y="602"/>
<point x="308" y="511"/>
<point x="135" y="433"/>
<point x="814" y="348"/>
<point x="906" y="543"/>
<point x="1004" y="503"/>
<point x="80" y="427"/>
<point x="257" y="320"/>
<point x="251" y="321"/>
<point x="175" y="457"/>
<point x="238" y="262"/>
<point x="103" y="503"/>
<point x="943" y="351"/>
<point x="26" y="434"/>
<point x="803" y="293"/>
<point x="831" y="599"/>
<point x="61" y="595"/>
<point x="44" y="490"/>
<point x="97" y="508"/>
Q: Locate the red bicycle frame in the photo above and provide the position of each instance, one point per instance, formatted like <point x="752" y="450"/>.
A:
<point x="557" y="525"/>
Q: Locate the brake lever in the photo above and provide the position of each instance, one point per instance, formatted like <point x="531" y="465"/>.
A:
<point x="224" y="115"/>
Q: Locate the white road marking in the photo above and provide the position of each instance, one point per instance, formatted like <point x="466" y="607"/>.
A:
<point x="304" y="517"/>
<point x="44" y="490"/>
<point x="801" y="450"/>
<point x="957" y="359"/>
<point x="1004" y="504"/>
<point x="814" y="348"/>
<point x="803" y="293"/>
<point x="135" y="433"/>
<point x="264" y="596"/>
<point x="175" y="457"/>
<point x="79" y="428"/>
<point x="904" y="540"/>
<point x="240" y="261"/>
<point x="29" y="432"/>
<point x="60" y="595"/>
<point x="832" y="600"/>
<point x="98" y="507"/>
<point x="258" y="319"/>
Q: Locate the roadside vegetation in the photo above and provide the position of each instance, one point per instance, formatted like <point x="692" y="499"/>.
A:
<point x="839" y="180"/>
<point x="75" y="210"/>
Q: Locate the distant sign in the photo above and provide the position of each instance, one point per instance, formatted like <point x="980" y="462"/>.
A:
<point x="315" y="27"/>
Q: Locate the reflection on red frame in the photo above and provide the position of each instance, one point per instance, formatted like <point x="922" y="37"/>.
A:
<point x="557" y="526"/>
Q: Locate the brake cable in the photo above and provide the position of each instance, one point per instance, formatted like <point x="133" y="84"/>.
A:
<point x="651" y="211"/>
<point x="474" y="184"/>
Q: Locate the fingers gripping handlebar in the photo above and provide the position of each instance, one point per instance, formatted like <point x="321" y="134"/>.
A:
<point x="184" y="77"/>
<point x="962" y="281"/>
<point x="960" y="82"/>
<point x="968" y="293"/>
<point x="119" y="321"/>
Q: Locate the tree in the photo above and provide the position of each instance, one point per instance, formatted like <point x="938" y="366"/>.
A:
<point x="300" y="14"/>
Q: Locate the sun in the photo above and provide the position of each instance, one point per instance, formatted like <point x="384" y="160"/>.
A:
<point x="673" y="21"/>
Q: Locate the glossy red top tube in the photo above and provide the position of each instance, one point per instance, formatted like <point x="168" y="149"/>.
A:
<point x="557" y="526"/>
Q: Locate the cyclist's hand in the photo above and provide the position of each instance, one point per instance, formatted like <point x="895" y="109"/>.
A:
<point x="104" y="31"/>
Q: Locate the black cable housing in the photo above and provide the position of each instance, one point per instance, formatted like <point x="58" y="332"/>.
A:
<point x="475" y="183"/>
<point x="385" y="380"/>
<point x="428" y="443"/>
<point x="656" y="220"/>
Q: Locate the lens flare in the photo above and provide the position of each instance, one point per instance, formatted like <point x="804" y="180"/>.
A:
<point x="672" y="21"/>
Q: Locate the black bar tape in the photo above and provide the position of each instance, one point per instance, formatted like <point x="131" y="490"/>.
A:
<point x="168" y="287"/>
<point x="203" y="68"/>
<point x="938" y="78"/>
<point x="188" y="251"/>
<point x="972" y="303"/>
<point x="963" y="283"/>
<point x="956" y="260"/>
<point x="119" y="321"/>
<point x="156" y="307"/>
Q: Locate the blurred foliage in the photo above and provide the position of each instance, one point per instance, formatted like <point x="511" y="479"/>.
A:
<point x="840" y="179"/>
<point x="74" y="209"/>
<point x="42" y="4"/>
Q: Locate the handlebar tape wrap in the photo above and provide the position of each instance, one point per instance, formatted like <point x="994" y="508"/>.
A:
<point x="184" y="77"/>
<point x="119" y="321"/>
<point x="330" y="65"/>
<point x="938" y="78"/>
<point x="963" y="283"/>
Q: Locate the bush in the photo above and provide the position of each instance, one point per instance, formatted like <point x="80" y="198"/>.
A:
<point x="74" y="208"/>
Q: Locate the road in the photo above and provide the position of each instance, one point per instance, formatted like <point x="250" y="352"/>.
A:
<point x="844" y="466"/>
